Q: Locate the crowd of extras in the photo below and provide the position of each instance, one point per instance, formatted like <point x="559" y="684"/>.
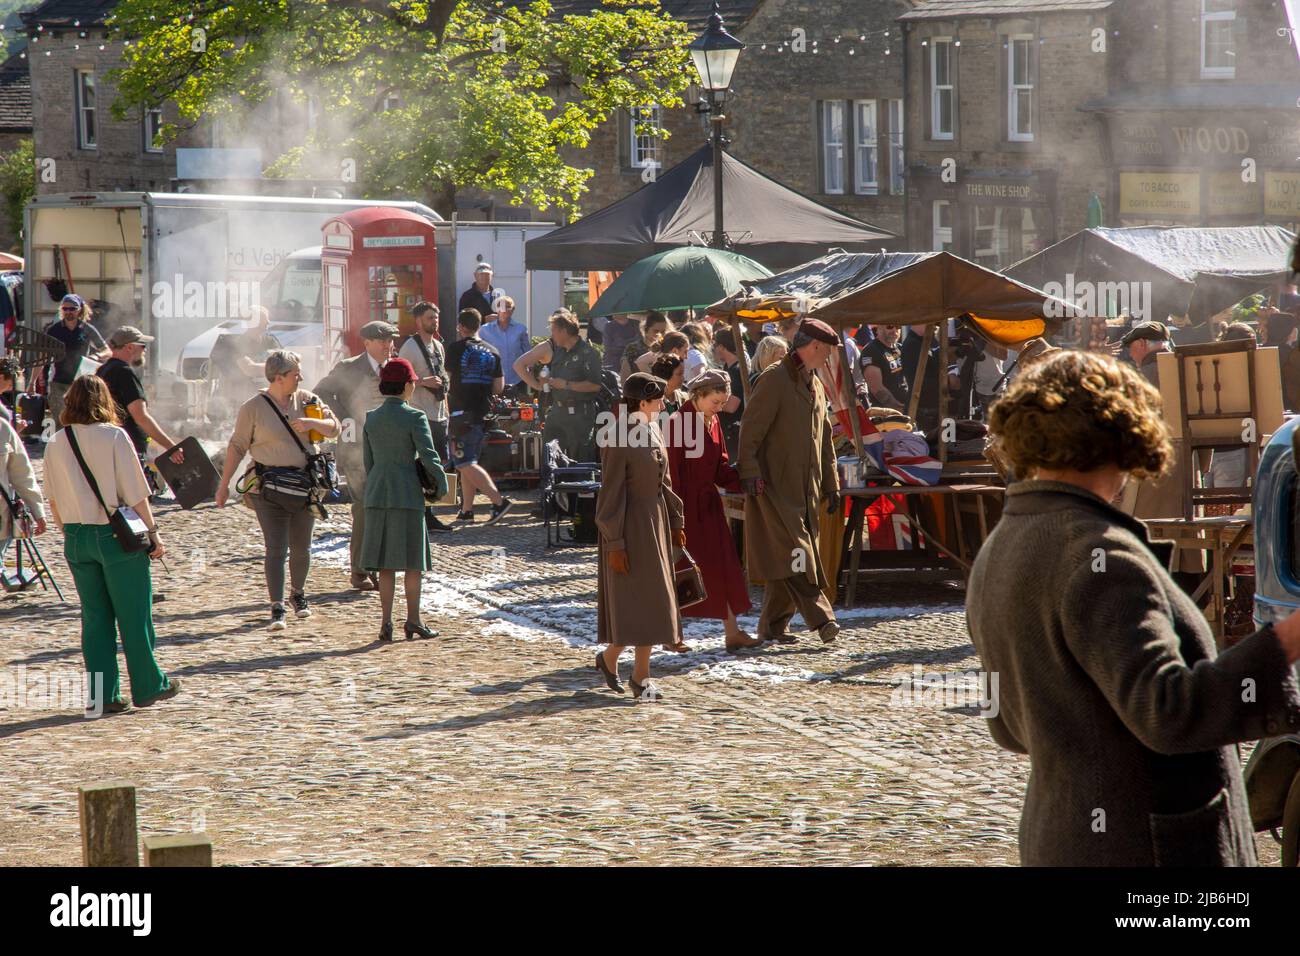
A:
<point x="408" y="410"/>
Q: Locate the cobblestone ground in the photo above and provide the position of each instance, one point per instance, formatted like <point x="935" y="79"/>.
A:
<point x="497" y="743"/>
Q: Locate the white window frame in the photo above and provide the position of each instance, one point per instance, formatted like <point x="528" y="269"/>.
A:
<point x="152" y="122"/>
<point x="866" y="145"/>
<point x="833" y="150"/>
<point x="86" y="139"/>
<point x="897" y="152"/>
<point x="643" y="150"/>
<point x="1014" y="89"/>
<point x="1208" y="17"/>
<point x="392" y="101"/>
<point x="937" y="237"/>
<point x="935" y="89"/>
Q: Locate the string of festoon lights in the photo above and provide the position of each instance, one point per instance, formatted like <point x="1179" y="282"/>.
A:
<point x="884" y="41"/>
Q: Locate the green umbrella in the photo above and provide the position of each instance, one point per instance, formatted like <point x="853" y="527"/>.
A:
<point x="1096" y="215"/>
<point x="689" y="277"/>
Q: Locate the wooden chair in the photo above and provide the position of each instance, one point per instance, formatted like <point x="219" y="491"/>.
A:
<point x="1218" y="415"/>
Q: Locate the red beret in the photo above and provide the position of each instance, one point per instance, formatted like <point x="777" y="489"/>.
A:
<point x="819" y="330"/>
<point x="397" y="370"/>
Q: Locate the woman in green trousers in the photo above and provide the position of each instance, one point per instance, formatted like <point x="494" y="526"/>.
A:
<point x="395" y="537"/>
<point x="116" y="588"/>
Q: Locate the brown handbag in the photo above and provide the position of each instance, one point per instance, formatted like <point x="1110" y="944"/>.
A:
<point x="689" y="583"/>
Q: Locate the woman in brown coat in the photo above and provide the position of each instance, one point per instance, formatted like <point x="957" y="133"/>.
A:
<point x="640" y="520"/>
<point x="1106" y="673"/>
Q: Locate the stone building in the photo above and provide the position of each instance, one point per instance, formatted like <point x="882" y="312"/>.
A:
<point x="1000" y="160"/>
<point x="70" y="55"/>
<point x="1201" y="124"/>
<point x="816" y="103"/>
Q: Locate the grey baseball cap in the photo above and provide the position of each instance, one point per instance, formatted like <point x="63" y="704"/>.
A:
<point x="127" y="335"/>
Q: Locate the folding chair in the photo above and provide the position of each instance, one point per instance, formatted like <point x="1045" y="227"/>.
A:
<point x="562" y="479"/>
<point x="1219" y="415"/>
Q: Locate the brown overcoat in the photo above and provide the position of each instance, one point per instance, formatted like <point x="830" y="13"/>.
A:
<point x="1109" y="681"/>
<point x="785" y="439"/>
<point x="635" y="511"/>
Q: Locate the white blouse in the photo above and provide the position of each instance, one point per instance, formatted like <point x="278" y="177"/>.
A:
<point x="112" y="460"/>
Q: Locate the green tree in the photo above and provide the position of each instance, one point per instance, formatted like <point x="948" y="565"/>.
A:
<point x="490" y="94"/>
<point x="17" y="183"/>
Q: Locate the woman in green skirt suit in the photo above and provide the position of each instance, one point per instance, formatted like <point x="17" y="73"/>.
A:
<point x="395" y="537"/>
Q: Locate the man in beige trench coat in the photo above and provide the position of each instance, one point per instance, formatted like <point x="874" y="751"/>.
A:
<point x="787" y="467"/>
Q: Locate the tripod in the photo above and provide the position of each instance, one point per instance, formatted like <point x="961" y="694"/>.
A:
<point x="38" y="570"/>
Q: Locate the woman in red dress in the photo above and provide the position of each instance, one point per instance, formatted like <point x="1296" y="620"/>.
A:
<point x="697" y="457"/>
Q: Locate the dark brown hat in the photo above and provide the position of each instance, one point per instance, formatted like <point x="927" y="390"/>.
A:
<point x="1155" y="331"/>
<point x="819" y="330"/>
<point x="640" y="387"/>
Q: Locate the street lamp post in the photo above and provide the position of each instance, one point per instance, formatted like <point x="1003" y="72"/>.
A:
<point x="714" y="54"/>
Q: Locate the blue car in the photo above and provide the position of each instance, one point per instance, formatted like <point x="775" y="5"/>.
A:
<point x="1273" y="773"/>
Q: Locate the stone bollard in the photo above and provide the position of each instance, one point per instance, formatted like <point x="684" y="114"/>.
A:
<point x="178" y="849"/>
<point x="108" y="829"/>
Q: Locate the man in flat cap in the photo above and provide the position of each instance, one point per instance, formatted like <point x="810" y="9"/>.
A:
<point x="787" y="467"/>
<point x="1144" y="342"/>
<point x="351" y="389"/>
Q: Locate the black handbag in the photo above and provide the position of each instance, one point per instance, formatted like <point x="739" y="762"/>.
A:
<point x="429" y="484"/>
<point x="128" y="527"/>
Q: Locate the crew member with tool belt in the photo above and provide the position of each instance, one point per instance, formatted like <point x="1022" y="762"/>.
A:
<point x="573" y="379"/>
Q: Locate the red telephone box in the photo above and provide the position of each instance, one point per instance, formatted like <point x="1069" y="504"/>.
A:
<point x="376" y="263"/>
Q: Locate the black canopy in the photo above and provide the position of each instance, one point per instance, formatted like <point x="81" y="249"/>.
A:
<point x="763" y="219"/>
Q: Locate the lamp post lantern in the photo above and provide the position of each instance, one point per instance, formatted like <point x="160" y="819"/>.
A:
<point x="714" y="54"/>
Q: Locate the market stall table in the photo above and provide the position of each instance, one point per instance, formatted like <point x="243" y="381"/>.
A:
<point x="926" y="560"/>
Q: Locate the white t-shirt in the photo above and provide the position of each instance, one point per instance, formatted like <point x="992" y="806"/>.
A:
<point x="111" y="458"/>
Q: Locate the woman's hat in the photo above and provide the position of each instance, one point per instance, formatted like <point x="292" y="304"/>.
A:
<point x="709" y="378"/>
<point x="641" y="387"/>
<point x="397" y="370"/>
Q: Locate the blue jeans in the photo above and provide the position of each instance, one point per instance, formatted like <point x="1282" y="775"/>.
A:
<point x="466" y="449"/>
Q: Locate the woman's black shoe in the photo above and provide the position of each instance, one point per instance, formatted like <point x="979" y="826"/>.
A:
<point x="646" y="691"/>
<point x="610" y="679"/>
<point x="386" y="632"/>
<point x="419" y="629"/>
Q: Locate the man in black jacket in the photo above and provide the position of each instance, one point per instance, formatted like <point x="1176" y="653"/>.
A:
<point x="481" y="296"/>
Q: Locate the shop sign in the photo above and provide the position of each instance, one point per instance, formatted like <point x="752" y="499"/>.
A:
<point x="1156" y="195"/>
<point x="1281" y="195"/>
<point x="1229" y="196"/>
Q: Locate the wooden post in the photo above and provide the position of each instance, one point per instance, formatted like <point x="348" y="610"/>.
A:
<point x="943" y="388"/>
<point x="178" y="849"/>
<point x="108" y="833"/>
<point x="742" y="356"/>
<point x="850" y="397"/>
<point x="917" y="384"/>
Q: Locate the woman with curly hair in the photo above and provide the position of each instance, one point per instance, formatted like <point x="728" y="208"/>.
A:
<point x="1101" y="668"/>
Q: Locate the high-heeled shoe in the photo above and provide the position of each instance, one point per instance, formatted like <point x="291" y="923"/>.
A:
<point x="610" y="678"/>
<point x="419" y="629"/>
<point x="646" y="691"/>
<point x="386" y="632"/>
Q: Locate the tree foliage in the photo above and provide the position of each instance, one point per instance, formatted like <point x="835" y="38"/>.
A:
<point x="17" y="183"/>
<point x="490" y="94"/>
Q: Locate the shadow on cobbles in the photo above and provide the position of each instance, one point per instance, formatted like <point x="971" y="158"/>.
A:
<point x="274" y="662"/>
<point x="927" y="657"/>
<point x="40" y="723"/>
<point x="579" y="700"/>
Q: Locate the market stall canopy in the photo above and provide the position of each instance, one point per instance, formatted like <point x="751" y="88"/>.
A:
<point x="1158" y="271"/>
<point x="763" y="219"/>
<point x="900" y="288"/>
<point x="686" y="278"/>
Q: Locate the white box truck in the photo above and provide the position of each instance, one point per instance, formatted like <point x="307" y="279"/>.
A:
<point x="185" y="267"/>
